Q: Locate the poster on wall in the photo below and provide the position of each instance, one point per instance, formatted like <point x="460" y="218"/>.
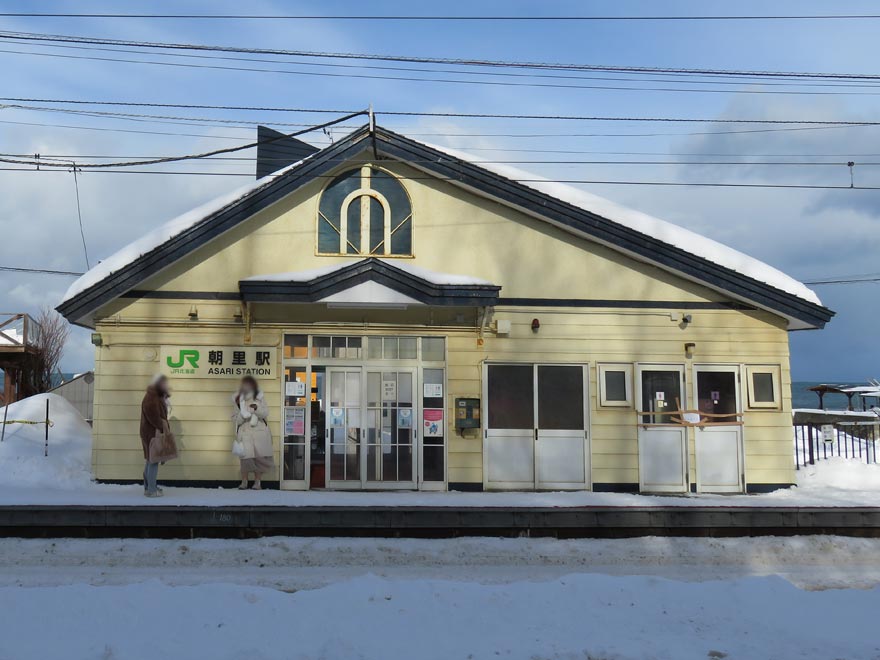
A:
<point x="433" y="423"/>
<point x="404" y="418"/>
<point x="295" y="420"/>
<point x="218" y="361"/>
<point x="295" y="388"/>
<point x="433" y="390"/>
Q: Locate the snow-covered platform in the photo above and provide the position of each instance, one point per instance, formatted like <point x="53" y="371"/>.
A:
<point x="50" y="492"/>
<point x="433" y="521"/>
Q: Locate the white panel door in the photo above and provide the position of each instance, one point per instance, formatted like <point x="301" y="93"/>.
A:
<point x="509" y="442"/>
<point x="562" y="456"/>
<point x="719" y="449"/>
<point x="663" y="466"/>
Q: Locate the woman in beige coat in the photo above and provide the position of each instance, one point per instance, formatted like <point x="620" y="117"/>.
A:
<point x="252" y="431"/>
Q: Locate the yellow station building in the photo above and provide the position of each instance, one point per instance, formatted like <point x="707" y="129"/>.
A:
<point x="420" y="320"/>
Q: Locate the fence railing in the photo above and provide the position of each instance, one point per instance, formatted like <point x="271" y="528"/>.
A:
<point x="817" y="442"/>
<point x="18" y="330"/>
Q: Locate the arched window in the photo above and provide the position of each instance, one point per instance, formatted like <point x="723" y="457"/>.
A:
<point x="365" y="211"/>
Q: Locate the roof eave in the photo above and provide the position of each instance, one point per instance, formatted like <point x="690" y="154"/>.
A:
<point x="800" y="313"/>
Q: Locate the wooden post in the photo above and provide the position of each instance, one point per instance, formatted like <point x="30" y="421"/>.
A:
<point x="46" y="449"/>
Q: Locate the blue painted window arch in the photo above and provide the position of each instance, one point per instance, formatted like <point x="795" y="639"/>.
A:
<point x="365" y="211"/>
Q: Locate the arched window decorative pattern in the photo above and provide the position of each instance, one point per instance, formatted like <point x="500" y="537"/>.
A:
<point x="365" y="211"/>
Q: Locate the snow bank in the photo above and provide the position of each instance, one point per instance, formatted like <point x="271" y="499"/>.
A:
<point x="68" y="466"/>
<point x="577" y="616"/>
<point x="165" y="232"/>
<point x="840" y="474"/>
<point x="647" y="224"/>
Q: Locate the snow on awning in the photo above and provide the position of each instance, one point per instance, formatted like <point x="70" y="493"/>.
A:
<point x="370" y="282"/>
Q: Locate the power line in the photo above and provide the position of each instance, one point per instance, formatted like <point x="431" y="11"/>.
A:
<point x="170" y="159"/>
<point x="407" y="17"/>
<point x="854" y="280"/>
<point x="848" y="156"/>
<point x="625" y="77"/>
<point x="495" y="83"/>
<point x="41" y="159"/>
<point x="462" y="62"/>
<point x="79" y="217"/>
<point x="699" y="184"/>
<point x="42" y="271"/>
<point x="468" y="135"/>
<point x="122" y="130"/>
<point x="423" y="113"/>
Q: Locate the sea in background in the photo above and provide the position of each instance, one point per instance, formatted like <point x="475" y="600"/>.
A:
<point x="801" y="397"/>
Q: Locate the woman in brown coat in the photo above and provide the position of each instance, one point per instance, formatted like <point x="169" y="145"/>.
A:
<point x="155" y="408"/>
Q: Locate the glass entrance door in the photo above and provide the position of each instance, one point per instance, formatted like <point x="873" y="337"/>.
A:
<point x="390" y="428"/>
<point x="344" y="429"/>
<point x="371" y="427"/>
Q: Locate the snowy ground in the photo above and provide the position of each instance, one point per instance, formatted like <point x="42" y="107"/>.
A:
<point x="28" y="477"/>
<point x="523" y="599"/>
<point x="386" y="599"/>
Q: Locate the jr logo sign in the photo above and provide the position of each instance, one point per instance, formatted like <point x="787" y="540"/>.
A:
<point x="218" y="361"/>
<point x="184" y="356"/>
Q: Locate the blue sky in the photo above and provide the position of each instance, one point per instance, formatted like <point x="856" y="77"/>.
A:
<point x="808" y="233"/>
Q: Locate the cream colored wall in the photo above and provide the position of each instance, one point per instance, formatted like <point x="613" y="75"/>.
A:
<point x="455" y="232"/>
<point x="646" y="336"/>
<point x="201" y="406"/>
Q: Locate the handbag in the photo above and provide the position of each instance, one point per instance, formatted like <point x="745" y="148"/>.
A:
<point x="238" y="448"/>
<point x="163" y="446"/>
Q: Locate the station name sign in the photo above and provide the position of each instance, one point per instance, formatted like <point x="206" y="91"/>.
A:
<point x="218" y="361"/>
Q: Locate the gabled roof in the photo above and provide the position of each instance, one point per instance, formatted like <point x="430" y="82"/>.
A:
<point x="644" y="238"/>
<point x="417" y="285"/>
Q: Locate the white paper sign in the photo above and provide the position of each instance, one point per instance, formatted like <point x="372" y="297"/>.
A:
<point x="389" y="390"/>
<point x="433" y="390"/>
<point x="295" y="388"/>
<point x="827" y="432"/>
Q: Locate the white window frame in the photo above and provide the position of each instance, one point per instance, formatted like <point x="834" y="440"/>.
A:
<point x="627" y="369"/>
<point x="776" y="372"/>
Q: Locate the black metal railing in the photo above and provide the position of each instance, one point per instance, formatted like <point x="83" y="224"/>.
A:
<point x="816" y="442"/>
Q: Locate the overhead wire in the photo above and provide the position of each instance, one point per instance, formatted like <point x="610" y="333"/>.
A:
<point x="426" y="113"/>
<point x="456" y="81"/>
<point x="463" y="17"/>
<point x="689" y="79"/>
<point x="457" y="61"/>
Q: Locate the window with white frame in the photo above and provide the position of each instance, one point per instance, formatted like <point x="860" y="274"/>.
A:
<point x="365" y="211"/>
<point x="763" y="385"/>
<point x="615" y="385"/>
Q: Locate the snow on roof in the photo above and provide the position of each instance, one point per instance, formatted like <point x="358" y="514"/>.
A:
<point x="647" y="224"/>
<point x="163" y="233"/>
<point x="427" y="275"/>
<point x="642" y="222"/>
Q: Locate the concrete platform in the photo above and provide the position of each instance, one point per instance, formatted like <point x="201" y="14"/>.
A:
<point x="432" y="522"/>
